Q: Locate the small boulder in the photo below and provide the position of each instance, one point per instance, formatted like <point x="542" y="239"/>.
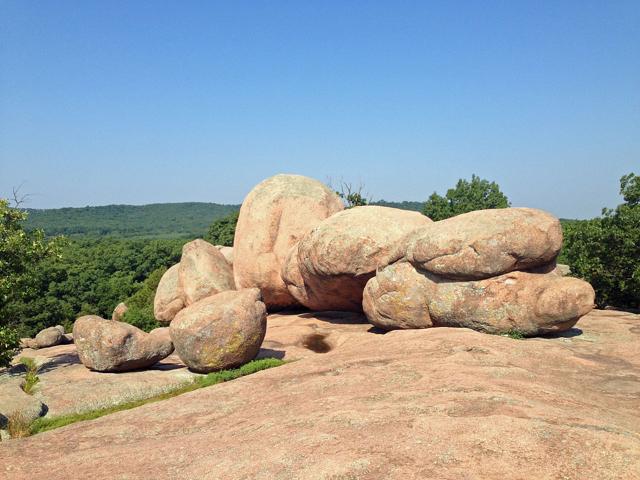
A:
<point x="49" y="336"/>
<point x="486" y="243"/>
<point x="274" y="216"/>
<point x="203" y="271"/>
<point x="119" y="311"/>
<point x="169" y="297"/>
<point x="110" y="346"/>
<point x="221" y="331"/>
<point x="14" y="401"/>
<point x="331" y="264"/>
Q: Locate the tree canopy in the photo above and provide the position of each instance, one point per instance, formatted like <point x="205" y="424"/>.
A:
<point x="467" y="196"/>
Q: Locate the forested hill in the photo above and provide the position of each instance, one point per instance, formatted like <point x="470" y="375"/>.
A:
<point x="158" y="220"/>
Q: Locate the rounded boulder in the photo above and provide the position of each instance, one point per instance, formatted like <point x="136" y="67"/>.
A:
<point x="274" y="216"/>
<point x="221" y="331"/>
<point x="110" y="346"/>
<point x="203" y="271"/>
<point x="169" y="297"/>
<point x="486" y="243"/>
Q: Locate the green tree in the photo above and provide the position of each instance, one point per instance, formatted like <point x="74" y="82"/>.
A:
<point x="222" y="231"/>
<point x="140" y="304"/>
<point x="21" y="252"/>
<point x="605" y="251"/>
<point x="467" y="196"/>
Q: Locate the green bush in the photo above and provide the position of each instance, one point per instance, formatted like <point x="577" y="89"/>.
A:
<point x="9" y="342"/>
<point x="478" y="194"/>
<point x="140" y="304"/>
<point x="605" y="251"/>
<point x="31" y="374"/>
<point x="222" y="231"/>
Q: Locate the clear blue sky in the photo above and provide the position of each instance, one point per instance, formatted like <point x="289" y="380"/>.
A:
<point x="156" y="101"/>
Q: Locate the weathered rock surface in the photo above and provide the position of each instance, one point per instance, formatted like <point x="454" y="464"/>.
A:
<point x="533" y="304"/>
<point x="109" y="346"/>
<point x="398" y="297"/>
<point x="227" y="252"/>
<point x="169" y="298"/>
<point x="440" y="403"/>
<point x="273" y="217"/>
<point x="331" y="265"/>
<point x="28" y="343"/>
<point x="49" y="336"/>
<point x="221" y="331"/>
<point x="119" y="311"/>
<point x="66" y="386"/>
<point x="203" y="271"/>
<point x="486" y="243"/>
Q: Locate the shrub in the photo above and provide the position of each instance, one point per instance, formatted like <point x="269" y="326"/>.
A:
<point x="222" y="231"/>
<point x="478" y="194"/>
<point x="9" y="343"/>
<point x="31" y="375"/>
<point x="605" y="251"/>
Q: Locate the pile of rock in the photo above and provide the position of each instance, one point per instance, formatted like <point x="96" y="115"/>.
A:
<point x="295" y="245"/>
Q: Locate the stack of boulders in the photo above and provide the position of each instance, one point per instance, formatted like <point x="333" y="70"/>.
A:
<point x="296" y="245"/>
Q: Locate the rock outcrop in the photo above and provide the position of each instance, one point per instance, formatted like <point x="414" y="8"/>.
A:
<point x="273" y="217"/>
<point x="529" y="303"/>
<point x="331" y="264"/>
<point x="440" y="403"/>
<point x="119" y="311"/>
<point x="169" y="298"/>
<point x="203" y="271"/>
<point x="110" y="346"/>
<point x="221" y="331"/>
<point x="14" y="402"/>
<point x="486" y="243"/>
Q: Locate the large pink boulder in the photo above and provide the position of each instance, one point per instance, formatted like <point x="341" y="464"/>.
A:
<point x="169" y="298"/>
<point x="486" y="243"/>
<point x="203" y="271"/>
<point x="274" y="216"/>
<point x="400" y="296"/>
<point x="331" y="264"/>
<point x="221" y="331"/>
<point x="112" y="346"/>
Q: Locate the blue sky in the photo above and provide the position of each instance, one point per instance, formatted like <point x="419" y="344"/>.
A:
<point x="144" y="102"/>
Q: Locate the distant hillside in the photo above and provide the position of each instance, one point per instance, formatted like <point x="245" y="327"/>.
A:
<point x="159" y="220"/>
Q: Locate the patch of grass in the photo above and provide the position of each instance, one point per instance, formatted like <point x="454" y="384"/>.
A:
<point x="18" y="425"/>
<point x="515" y="334"/>
<point x="31" y="375"/>
<point x="43" y="424"/>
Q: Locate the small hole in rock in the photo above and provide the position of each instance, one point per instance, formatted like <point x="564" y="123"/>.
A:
<point x="316" y="343"/>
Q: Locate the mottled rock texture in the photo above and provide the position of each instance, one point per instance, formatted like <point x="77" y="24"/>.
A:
<point x="331" y="265"/>
<point x="530" y="303"/>
<point x="486" y="243"/>
<point x="203" y="271"/>
<point x="109" y="346"/>
<point x="273" y="217"/>
<point x="169" y="298"/>
<point x="221" y="331"/>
